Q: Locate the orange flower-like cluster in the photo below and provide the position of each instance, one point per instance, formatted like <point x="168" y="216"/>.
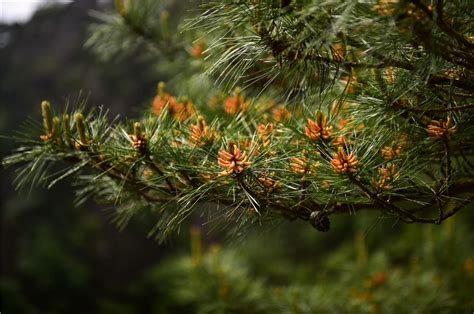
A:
<point x="182" y="110"/>
<point x="318" y="129"/>
<point x="438" y="129"/>
<point x="302" y="165"/>
<point x="342" y="163"/>
<point x="264" y="133"/>
<point x="235" y="103"/>
<point x="340" y="141"/>
<point x="387" y="175"/>
<point x="389" y="152"/>
<point x="233" y="160"/>
<point x="200" y="133"/>
<point x="162" y="100"/>
<point x="179" y="110"/>
<point x="299" y="165"/>
<point x="281" y="114"/>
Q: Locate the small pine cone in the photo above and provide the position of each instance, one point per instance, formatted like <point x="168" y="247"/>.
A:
<point x="138" y="138"/>
<point x="320" y="221"/>
<point x="440" y="129"/>
<point x="233" y="160"/>
<point x="341" y="163"/>
<point x="281" y="114"/>
<point x="139" y="142"/>
<point x="318" y="129"/>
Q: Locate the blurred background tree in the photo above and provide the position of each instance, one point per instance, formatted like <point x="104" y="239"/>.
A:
<point x="57" y="259"/>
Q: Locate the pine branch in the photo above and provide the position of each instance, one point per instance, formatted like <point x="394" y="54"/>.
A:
<point x="392" y="130"/>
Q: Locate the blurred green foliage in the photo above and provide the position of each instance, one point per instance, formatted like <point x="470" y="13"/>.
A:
<point x="413" y="269"/>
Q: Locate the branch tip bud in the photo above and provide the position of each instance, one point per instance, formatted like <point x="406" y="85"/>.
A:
<point x="46" y="113"/>
<point x="161" y="89"/>
<point x="137" y="128"/>
<point x="79" y="120"/>
<point x="66" y="123"/>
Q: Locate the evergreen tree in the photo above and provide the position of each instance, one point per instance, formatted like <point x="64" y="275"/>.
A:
<point x="276" y="109"/>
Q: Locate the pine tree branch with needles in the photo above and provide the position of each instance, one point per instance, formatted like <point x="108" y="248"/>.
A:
<point x="332" y="116"/>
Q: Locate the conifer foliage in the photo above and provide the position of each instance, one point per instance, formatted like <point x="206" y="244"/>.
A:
<point x="276" y="109"/>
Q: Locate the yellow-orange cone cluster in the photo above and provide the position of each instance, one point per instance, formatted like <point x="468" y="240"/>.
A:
<point x="387" y="175"/>
<point x="302" y="165"/>
<point x="236" y="103"/>
<point x="318" y="129"/>
<point x="299" y="165"/>
<point x="281" y="114"/>
<point x="233" y="160"/>
<point x="179" y="110"/>
<point x="438" y="129"/>
<point x="201" y="134"/>
<point x="342" y="163"/>
<point x="162" y="100"/>
<point x="389" y="152"/>
<point x="269" y="183"/>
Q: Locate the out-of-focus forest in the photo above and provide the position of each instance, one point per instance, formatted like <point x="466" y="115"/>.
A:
<point x="59" y="258"/>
